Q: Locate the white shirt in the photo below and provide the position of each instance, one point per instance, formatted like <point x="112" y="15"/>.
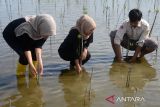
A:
<point x="140" y="33"/>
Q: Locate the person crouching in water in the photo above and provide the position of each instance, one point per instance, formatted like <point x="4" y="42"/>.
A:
<point x="26" y="37"/>
<point x="133" y="35"/>
<point x="75" y="46"/>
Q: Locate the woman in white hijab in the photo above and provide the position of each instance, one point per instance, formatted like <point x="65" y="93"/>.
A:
<point x="26" y="37"/>
<point x="75" y="46"/>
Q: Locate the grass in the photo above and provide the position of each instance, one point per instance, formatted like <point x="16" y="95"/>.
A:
<point x="8" y="8"/>
<point x="87" y="95"/>
<point x="128" y="76"/>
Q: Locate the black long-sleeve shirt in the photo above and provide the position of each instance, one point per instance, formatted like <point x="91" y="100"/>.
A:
<point x="72" y="45"/>
<point x="28" y="43"/>
<point x="21" y="43"/>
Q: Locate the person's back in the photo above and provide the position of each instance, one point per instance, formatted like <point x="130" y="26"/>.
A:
<point x="26" y="37"/>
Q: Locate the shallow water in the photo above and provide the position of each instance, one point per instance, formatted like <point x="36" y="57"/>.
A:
<point x="101" y="77"/>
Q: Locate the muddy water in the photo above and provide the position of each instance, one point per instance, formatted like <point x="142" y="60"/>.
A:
<point x="100" y="79"/>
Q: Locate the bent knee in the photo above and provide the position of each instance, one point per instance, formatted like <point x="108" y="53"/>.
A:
<point x="150" y="44"/>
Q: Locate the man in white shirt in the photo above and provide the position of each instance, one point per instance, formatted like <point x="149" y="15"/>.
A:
<point x="133" y="34"/>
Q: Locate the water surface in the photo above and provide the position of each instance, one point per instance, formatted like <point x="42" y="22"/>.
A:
<point x="101" y="77"/>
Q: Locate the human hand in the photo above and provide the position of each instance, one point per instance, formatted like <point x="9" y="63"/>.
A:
<point x="78" y="69"/>
<point x="119" y="60"/>
<point x="33" y="70"/>
<point x="133" y="60"/>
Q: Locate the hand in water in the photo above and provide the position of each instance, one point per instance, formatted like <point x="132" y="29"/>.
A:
<point x="133" y="60"/>
<point x="78" y="69"/>
<point x="33" y="70"/>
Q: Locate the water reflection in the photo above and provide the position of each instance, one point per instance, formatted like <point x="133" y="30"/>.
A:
<point x="30" y="94"/>
<point x="131" y="79"/>
<point x="75" y="87"/>
<point x="109" y="14"/>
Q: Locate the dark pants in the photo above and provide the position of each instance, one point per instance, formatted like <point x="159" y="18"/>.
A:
<point x="69" y="57"/>
<point x="14" y="42"/>
<point x="83" y="61"/>
<point x="132" y="44"/>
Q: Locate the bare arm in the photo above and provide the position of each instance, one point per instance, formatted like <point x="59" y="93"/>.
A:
<point x="39" y="60"/>
<point x="39" y="54"/>
<point x="29" y="59"/>
<point x="137" y="51"/>
<point x="78" y="66"/>
<point x="117" y="41"/>
<point x="118" y="53"/>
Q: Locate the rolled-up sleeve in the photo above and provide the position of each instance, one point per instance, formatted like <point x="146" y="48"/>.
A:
<point x="143" y="36"/>
<point x="119" y="34"/>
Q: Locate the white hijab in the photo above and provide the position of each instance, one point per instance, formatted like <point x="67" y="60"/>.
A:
<point x="37" y="27"/>
<point x="84" y="24"/>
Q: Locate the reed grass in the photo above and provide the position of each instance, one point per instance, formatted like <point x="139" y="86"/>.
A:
<point x="128" y="76"/>
<point x="87" y="95"/>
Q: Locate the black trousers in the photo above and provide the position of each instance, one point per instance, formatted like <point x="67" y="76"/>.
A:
<point x="72" y="62"/>
<point x="68" y="56"/>
<point x="132" y="44"/>
<point x="14" y="42"/>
